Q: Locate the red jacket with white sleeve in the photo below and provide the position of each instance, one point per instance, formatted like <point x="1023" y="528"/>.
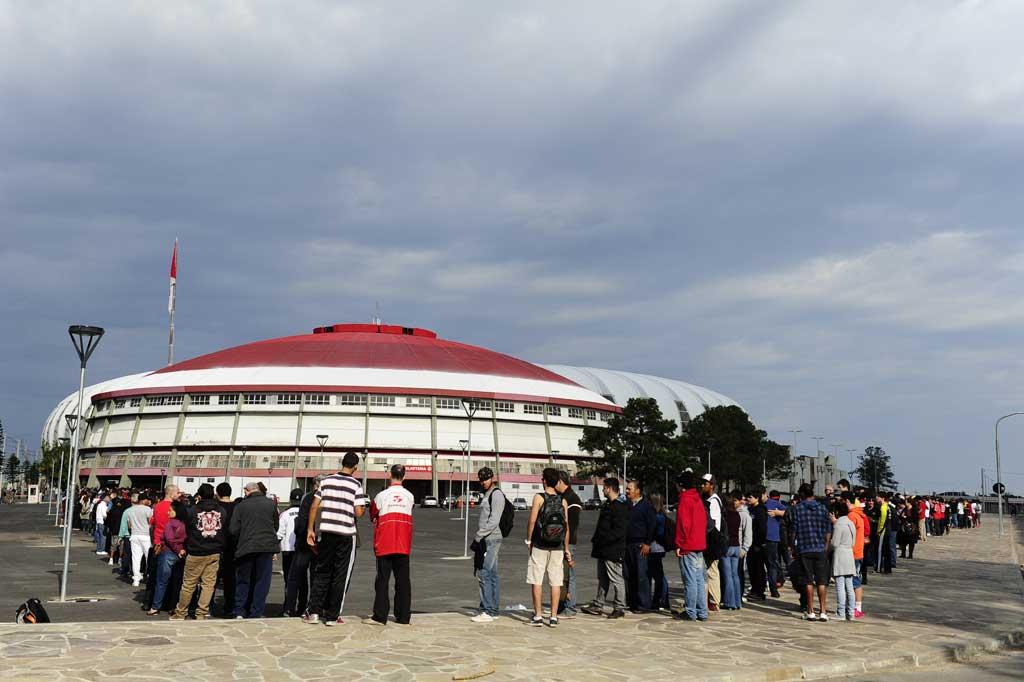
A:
<point x="391" y="511"/>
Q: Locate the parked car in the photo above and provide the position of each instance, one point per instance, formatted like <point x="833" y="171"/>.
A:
<point x="519" y="504"/>
<point x="450" y="502"/>
<point x="592" y="503"/>
<point x="429" y="501"/>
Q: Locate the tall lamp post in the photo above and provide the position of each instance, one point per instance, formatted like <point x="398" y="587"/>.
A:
<point x="851" y="451"/>
<point x="72" y="422"/>
<point x="464" y="444"/>
<point x="322" y="439"/>
<point x="85" y="339"/>
<point x="471" y="405"/>
<point x="999" y="470"/>
<point x="64" y="444"/>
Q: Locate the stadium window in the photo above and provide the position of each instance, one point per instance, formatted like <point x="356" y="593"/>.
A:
<point x="554" y="411"/>
<point x="684" y="415"/>
<point x="533" y="408"/>
<point x="289" y="398"/>
<point x="118" y="404"/>
<point x="318" y="399"/>
<point x="504" y="406"/>
<point x="448" y="403"/>
<point x="199" y="399"/>
<point x="351" y="399"/>
<point x="156" y="401"/>
<point x="591" y="414"/>
<point x="227" y="399"/>
<point x="255" y="398"/>
<point x="175" y="399"/>
<point x="575" y="413"/>
<point x="605" y="416"/>
<point x="382" y="401"/>
<point x="135" y="402"/>
<point x="418" y="401"/>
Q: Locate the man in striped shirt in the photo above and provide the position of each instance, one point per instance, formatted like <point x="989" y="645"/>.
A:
<point x="339" y="501"/>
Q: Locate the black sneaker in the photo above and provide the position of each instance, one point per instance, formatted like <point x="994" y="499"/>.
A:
<point x="553" y="622"/>
<point x="617" y="613"/>
<point x="592" y="610"/>
<point x="536" y="621"/>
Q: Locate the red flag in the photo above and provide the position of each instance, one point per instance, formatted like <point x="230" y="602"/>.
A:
<point x="174" y="279"/>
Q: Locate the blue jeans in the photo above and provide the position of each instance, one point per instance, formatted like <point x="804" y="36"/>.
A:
<point x="252" y="581"/>
<point x="570" y="582"/>
<point x="638" y="584"/>
<point x="732" y="593"/>
<point x="490" y="583"/>
<point x="165" y="564"/>
<point x="99" y="537"/>
<point x="775" y="573"/>
<point x="695" y="596"/>
<point x="846" y="599"/>
<point x="892" y="548"/>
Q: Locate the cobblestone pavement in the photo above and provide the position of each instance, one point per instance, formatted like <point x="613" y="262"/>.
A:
<point x="963" y="591"/>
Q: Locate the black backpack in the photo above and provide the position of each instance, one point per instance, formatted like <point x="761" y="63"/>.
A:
<point x="717" y="540"/>
<point x="31" y="611"/>
<point x="551" y="521"/>
<point x="508" y="514"/>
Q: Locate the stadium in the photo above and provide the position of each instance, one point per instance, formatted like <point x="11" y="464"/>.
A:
<point x="284" y="410"/>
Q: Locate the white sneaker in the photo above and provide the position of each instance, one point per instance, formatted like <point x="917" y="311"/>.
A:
<point x="483" y="618"/>
<point x="823" y="617"/>
<point x="110" y="562"/>
<point x="135" y="583"/>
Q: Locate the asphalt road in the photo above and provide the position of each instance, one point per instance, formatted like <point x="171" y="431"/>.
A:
<point x="30" y="559"/>
<point x="1000" y="667"/>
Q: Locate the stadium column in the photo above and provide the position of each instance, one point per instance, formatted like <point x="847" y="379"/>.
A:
<point x="298" y="441"/>
<point x="497" y="448"/>
<point x="433" y="449"/>
<point x="182" y="413"/>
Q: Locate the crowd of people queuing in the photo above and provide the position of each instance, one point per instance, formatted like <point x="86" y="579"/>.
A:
<point x="179" y="549"/>
<point x="731" y="548"/>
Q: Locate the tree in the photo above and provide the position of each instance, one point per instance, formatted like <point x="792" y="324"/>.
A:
<point x="49" y="462"/>
<point x="739" y="451"/>
<point x="12" y="467"/>
<point x="32" y="473"/>
<point x="641" y="437"/>
<point x="874" y="471"/>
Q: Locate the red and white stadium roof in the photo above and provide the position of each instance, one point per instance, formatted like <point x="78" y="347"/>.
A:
<point x="364" y="358"/>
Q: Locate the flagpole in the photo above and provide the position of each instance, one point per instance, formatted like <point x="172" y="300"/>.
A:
<point x="171" y="303"/>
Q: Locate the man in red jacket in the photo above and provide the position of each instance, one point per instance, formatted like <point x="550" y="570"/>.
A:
<point x="391" y="512"/>
<point x="691" y="540"/>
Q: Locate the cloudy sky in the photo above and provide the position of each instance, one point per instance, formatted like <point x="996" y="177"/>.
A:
<point x="814" y="208"/>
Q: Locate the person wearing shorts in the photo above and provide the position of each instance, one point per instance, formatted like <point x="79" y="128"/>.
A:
<point x="548" y="541"/>
<point x="812" y="534"/>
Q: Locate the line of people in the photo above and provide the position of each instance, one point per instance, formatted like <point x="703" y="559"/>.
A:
<point x="184" y="547"/>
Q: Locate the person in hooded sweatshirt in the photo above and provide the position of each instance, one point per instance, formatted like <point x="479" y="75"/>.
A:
<point x="286" y="536"/>
<point x="740" y="538"/>
<point x="205" y="541"/>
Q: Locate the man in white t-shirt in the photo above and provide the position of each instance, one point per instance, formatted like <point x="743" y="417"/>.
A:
<point x="99" y="532"/>
<point x="139" y="516"/>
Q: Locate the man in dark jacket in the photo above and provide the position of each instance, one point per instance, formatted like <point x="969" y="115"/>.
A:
<point x="254" y="527"/>
<point x="303" y="561"/>
<point x="757" y="555"/>
<point x="609" y="548"/>
<point x="227" y="557"/>
<point x="206" y="532"/>
<point x="639" y="536"/>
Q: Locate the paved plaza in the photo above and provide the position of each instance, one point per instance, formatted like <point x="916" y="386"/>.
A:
<point x="962" y="594"/>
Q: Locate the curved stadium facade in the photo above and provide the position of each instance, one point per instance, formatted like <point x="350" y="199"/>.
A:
<point x="393" y="394"/>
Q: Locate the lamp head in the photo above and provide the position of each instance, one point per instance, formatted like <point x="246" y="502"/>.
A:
<point x="322" y="439"/>
<point x="72" y="420"/>
<point x="471" y="405"/>
<point x="85" y="338"/>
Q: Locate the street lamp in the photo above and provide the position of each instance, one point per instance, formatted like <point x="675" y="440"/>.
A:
<point x="470" y="405"/>
<point x="464" y="444"/>
<point x="64" y="444"/>
<point x="999" y="470"/>
<point x="551" y="457"/>
<point x="851" y="451"/>
<point x="85" y="339"/>
<point x="322" y="439"/>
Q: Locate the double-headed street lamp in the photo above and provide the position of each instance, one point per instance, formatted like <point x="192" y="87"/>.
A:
<point x="64" y="445"/>
<point x="322" y="439"/>
<point x="85" y="339"/>
<point x="999" y="471"/>
<point x="470" y="405"/>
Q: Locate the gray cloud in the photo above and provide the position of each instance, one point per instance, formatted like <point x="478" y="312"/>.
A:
<point x="809" y="207"/>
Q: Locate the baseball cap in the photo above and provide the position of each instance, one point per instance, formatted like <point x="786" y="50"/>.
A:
<point x="708" y="477"/>
<point x="485" y="474"/>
